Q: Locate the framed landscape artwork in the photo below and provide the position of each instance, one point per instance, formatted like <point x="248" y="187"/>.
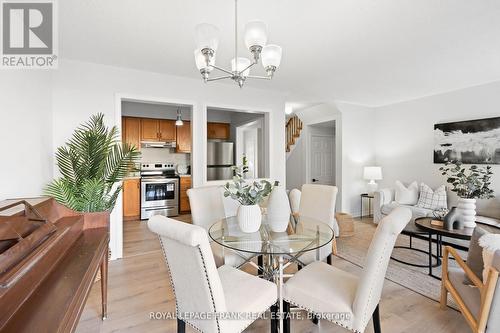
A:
<point x="471" y="142"/>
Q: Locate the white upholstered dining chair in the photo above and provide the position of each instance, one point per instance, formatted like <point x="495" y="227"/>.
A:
<point x="318" y="202"/>
<point x="207" y="207"/>
<point x="203" y="290"/>
<point x="344" y="298"/>
<point x="294" y="197"/>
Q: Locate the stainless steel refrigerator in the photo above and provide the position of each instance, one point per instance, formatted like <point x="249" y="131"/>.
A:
<point x="220" y="159"/>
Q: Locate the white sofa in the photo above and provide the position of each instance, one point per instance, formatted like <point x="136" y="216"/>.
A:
<point x="384" y="203"/>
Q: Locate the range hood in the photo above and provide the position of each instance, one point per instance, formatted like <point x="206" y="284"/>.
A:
<point x="158" y="144"/>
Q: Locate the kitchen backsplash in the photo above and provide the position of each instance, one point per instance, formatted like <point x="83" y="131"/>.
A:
<point x="164" y="155"/>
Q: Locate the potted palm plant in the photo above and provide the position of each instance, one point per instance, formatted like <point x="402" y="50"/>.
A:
<point x="92" y="163"/>
<point x="249" y="195"/>
<point x="469" y="184"/>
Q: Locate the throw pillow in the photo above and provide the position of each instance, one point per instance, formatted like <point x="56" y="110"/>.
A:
<point x="475" y="255"/>
<point x="406" y="195"/>
<point x="432" y="199"/>
<point x="490" y="244"/>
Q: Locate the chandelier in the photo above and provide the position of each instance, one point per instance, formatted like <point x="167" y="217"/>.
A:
<point x="255" y="40"/>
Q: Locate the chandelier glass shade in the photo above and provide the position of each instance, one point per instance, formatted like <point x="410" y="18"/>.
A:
<point x="255" y="38"/>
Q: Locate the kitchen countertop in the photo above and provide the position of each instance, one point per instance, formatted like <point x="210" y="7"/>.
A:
<point x="184" y="175"/>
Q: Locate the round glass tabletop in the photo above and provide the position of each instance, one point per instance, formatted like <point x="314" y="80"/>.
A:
<point x="308" y="235"/>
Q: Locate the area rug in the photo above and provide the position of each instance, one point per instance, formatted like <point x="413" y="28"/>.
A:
<point x="355" y="248"/>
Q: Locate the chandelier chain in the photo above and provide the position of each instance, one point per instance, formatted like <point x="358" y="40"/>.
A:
<point x="236" y="33"/>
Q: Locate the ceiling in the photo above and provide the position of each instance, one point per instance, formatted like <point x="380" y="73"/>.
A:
<point x="367" y="52"/>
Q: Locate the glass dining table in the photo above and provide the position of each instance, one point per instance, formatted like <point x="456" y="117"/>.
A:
<point x="276" y="250"/>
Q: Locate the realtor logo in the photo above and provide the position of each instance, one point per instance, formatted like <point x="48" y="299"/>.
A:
<point x="28" y="34"/>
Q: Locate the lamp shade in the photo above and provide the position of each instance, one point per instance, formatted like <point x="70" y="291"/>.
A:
<point x="372" y="173"/>
<point x="240" y="65"/>
<point x="271" y="56"/>
<point x="207" y="36"/>
<point x="255" y="34"/>
<point x="201" y="63"/>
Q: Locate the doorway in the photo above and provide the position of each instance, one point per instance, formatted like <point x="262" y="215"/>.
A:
<point x="249" y="139"/>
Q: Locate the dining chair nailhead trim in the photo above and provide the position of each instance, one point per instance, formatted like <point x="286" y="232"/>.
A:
<point x="313" y="312"/>
<point x="173" y="287"/>
<point x="365" y="320"/>
<point x="209" y="286"/>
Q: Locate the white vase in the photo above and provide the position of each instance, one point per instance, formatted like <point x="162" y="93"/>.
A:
<point x="278" y="209"/>
<point x="249" y="218"/>
<point x="467" y="210"/>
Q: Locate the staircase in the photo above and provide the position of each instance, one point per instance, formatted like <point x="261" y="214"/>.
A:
<point x="293" y="129"/>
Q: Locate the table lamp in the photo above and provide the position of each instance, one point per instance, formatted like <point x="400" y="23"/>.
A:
<point x="372" y="173"/>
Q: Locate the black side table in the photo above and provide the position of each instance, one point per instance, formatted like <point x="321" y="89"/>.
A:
<point x="369" y="197"/>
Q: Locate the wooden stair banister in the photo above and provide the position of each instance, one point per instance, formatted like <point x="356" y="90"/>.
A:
<point x="293" y="128"/>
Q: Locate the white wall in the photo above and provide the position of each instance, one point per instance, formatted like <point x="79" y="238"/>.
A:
<point x="358" y="151"/>
<point x="81" y="89"/>
<point x="296" y="165"/>
<point x="404" y="136"/>
<point x="354" y="149"/>
<point x="25" y="132"/>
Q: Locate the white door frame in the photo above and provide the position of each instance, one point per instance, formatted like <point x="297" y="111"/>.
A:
<point x="338" y="153"/>
<point x="247" y="109"/>
<point x="257" y="124"/>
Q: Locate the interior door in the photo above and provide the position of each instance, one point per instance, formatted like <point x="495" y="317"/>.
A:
<point x="322" y="165"/>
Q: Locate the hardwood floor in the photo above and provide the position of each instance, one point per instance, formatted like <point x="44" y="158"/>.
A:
<point x="139" y="285"/>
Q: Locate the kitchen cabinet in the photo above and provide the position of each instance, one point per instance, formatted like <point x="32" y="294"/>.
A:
<point x="131" y="131"/>
<point x="150" y="129"/>
<point x="184" y="138"/>
<point x="131" y="199"/>
<point x="167" y="130"/>
<point x="185" y="184"/>
<point x="157" y="129"/>
<point x="218" y="131"/>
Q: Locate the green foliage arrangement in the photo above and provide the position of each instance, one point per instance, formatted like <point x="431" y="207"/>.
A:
<point x="91" y="163"/>
<point x="245" y="193"/>
<point x="469" y="183"/>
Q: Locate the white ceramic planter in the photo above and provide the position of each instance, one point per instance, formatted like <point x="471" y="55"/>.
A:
<point x="467" y="211"/>
<point x="278" y="209"/>
<point x="249" y="218"/>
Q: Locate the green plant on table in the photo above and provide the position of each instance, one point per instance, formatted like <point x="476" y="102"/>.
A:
<point x="91" y="164"/>
<point x="469" y="183"/>
<point x="246" y="193"/>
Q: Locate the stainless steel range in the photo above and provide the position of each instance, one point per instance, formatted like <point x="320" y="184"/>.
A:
<point x="159" y="190"/>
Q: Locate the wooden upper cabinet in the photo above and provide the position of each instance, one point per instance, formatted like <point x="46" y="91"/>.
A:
<point x="184" y="138"/>
<point x="131" y="198"/>
<point x="150" y="129"/>
<point x="131" y="131"/>
<point x="218" y="131"/>
<point x="167" y="130"/>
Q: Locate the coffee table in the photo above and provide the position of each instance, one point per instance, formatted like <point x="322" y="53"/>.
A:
<point x="412" y="230"/>
<point x="424" y="224"/>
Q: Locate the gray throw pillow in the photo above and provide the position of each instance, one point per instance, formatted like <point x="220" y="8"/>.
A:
<point x="475" y="255"/>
